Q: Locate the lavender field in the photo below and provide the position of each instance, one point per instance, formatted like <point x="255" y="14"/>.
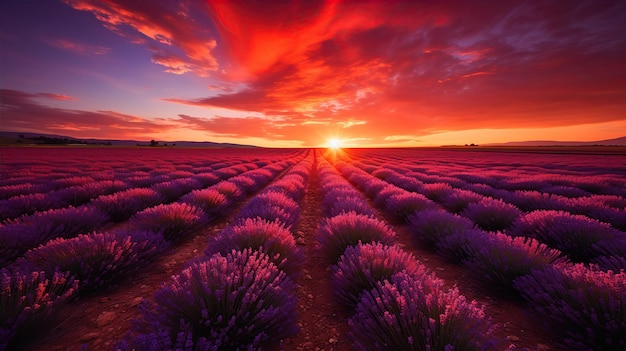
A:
<point x="305" y="249"/>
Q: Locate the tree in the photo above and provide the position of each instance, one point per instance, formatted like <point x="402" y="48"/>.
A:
<point x="153" y="142"/>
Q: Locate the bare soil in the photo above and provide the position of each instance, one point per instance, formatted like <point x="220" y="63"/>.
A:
<point x="98" y="322"/>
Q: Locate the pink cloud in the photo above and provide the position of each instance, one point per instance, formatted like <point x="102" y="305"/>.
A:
<point x="79" y="48"/>
<point x="21" y="113"/>
<point x="374" y="69"/>
<point x="163" y="26"/>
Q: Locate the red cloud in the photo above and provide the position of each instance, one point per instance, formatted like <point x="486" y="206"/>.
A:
<point x="374" y="69"/>
<point x="166" y="26"/>
<point x="21" y="113"/>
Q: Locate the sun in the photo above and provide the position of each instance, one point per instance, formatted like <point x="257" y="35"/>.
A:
<point x="334" y="143"/>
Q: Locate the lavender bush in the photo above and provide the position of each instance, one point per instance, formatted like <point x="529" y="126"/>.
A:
<point x="587" y="305"/>
<point x="271" y="238"/>
<point x="431" y="226"/>
<point x="458" y="199"/>
<point x="272" y="206"/>
<point x="211" y="201"/>
<point x="175" y="221"/>
<point x="362" y="266"/>
<point x="96" y="260"/>
<point x="501" y="259"/>
<point x="238" y="302"/>
<point x="228" y="189"/>
<point x="340" y="232"/>
<point x="580" y="238"/>
<point x="16" y="206"/>
<point x="17" y="237"/>
<point x="405" y="204"/>
<point x="492" y="214"/>
<point x="172" y="190"/>
<point x="406" y="314"/>
<point x="122" y="205"/>
<point x="27" y="299"/>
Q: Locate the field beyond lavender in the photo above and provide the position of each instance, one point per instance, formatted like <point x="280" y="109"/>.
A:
<point x="305" y="249"/>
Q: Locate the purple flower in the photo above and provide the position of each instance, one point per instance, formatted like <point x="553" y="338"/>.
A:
<point x="271" y="206"/>
<point x="98" y="259"/>
<point x="176" y="188"/>
<point x="405" y="204"/>
<point x="27" y="299"/>
<point x="579" y="237"/>
<point x="340" y="232"/>
<point x="405" y="313"/>
<point x="241" y="301"/>
<point x="122" y="205"/>
<point x="362" y="266"/>
<point x="585" y="304"/>
<point x="211" y="201"/>
<point x="175" y="221"/>
<point x="491" y="214"/>
<point x="271" y="238"/>
<point x="431" y="226"/>
<point x="458" y="199"/>
<point x="500" y="258"/>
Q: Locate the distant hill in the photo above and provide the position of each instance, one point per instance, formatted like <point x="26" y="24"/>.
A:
<point x="23" y="138"/>
<point x="609" y="142"/>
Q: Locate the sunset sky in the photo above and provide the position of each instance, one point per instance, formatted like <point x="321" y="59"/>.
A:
<point x="299" y="73"/>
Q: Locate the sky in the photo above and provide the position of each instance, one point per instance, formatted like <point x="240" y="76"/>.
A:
<point x="300" y="73"/>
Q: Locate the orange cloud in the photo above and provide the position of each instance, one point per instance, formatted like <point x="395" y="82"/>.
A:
<point x="384" y="70"/>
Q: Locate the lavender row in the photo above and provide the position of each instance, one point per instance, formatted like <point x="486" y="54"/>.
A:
<point x="41" y="167"/>
<point x="576" y="175"/>
<point x="47" y="189"/>
<point x="581" y="238"/>
<point x="456" y="193"/>
<point x="394" y="301"/>
<point x="74" y="194"/>
<point x="240" y="295"/>
<point x="94" y="261"/>
<point x="557" y="290"/>
<point x="29" y="231"/>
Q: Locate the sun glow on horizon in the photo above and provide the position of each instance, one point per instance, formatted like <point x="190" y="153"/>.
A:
<point x="335" y="143"/>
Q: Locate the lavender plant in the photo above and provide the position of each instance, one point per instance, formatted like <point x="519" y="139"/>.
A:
<point x="18" y="236"/>
<point x="405" y="313"/>
<point x="211" y="201"/>
<point x="401" y="206"/>
<point x="501" y="259"/>
<point x="492" y="214"/>
<point x="27" y="299"/>
<point x="431" y="226"/>
<point x="362" y="266"/>
<point x="338" y="233"/>
<point x="122" y="205"/>
<point x="96" y="260"/>
<point x="175" y="221"/>
<point x="271" y="238"/>
<point x="580" y="238"/>
<point x="238" y="302"/>
<point x="586" y="305"/>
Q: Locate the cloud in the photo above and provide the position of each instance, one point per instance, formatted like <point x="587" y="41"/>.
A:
<point x="164" y="27"/>
<point x="381" y="70"/>
<point x="399" y="67"/>
<point x="20" y="112"/>
<point x="79" y="48"/>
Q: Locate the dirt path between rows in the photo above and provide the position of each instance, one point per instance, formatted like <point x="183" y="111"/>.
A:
<point x="323" y="324"/>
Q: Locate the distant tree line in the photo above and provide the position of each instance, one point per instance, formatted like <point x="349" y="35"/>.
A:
<point x="44" y="140"/>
